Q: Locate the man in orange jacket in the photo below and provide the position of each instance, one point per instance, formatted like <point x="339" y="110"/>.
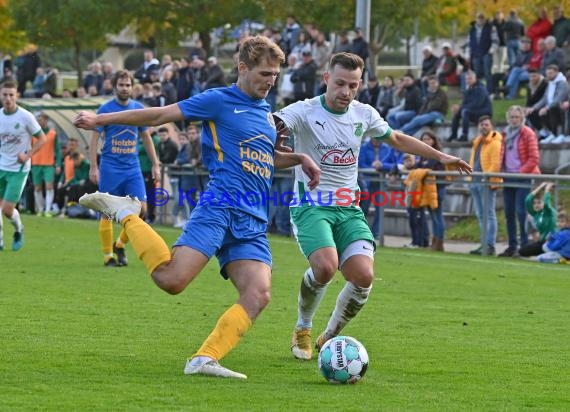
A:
<point x="486" y="157"/>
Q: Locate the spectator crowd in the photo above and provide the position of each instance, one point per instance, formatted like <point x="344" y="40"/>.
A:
<point x="501" y="57"/>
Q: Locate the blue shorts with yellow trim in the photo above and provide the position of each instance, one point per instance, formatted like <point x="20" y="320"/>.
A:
<point x="122" y="183"/>
<point x="230" y="234"/>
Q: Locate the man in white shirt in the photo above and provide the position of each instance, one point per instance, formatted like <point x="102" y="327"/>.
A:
<point x="330" y="227"/>
<point x="17" y="127"/>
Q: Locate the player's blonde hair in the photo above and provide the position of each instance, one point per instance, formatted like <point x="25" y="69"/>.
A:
<point x="253" y="50"/>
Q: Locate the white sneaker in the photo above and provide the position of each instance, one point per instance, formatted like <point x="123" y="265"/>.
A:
<point x="558" y="139"/>
<point x="548" y="139"/>
<point x="110" y="205"/>
<point x="212" y="368"/>
<point x="544" y="133"/>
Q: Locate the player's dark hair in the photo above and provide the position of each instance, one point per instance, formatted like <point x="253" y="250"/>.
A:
<point x="163" y="129"/>
<point x="253" y="50"/>
<point x="349" y="61"/>
<point x="485" y="117"/>
<point x="122" y="74"/>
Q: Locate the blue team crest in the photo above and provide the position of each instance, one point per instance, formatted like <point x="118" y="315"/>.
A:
<point x="270" y="119"/>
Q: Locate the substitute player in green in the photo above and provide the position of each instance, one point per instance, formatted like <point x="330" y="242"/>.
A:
<point x="17" y="127"/>
<point x="330" y="227"/>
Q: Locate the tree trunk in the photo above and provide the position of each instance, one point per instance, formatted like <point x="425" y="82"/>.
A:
<point x="408" y="51"/>
<point x="77" y="61"/>
<point x="375" y="48"/>
<point x="206" y="42"/>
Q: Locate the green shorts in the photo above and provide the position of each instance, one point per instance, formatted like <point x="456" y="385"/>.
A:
<point x="42" y="174"/>
<point x="12" y="185"/>
<point x="316" y="227"/>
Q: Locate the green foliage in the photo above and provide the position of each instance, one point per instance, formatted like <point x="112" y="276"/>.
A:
<point x="443" y="331"/>
<point x="68" y="23"/>
<point x="11" y="38"/>
<point x="326" y="15"/>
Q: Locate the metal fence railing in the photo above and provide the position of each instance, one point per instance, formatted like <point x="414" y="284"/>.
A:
<point x="561" y="183"/>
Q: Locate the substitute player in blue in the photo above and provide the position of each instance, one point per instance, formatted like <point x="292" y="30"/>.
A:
<point x="119" y="172"/>
<point x="238" y="138"/>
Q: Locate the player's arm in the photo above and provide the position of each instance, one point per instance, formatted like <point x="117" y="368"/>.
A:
<point x="149" y="148"/>
<point x="151" y="116"/>
<point x="36" y="146"/>
<point x="93" y="167"/>
<point x="310" y="168"/>
<point x="283" y="134"/>
<point x="41" y="139"/>
<point x="409" y="144"/>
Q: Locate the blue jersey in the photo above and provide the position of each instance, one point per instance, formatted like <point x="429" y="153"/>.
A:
<point x="238" y="139"/>
<point x="120" y="147"/>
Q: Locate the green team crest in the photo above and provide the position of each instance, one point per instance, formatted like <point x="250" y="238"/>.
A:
<point x="358" y="129"/>
<point x="17" y="126"/>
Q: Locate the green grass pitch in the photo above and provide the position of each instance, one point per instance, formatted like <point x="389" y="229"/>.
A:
<point x="444" y="332"/>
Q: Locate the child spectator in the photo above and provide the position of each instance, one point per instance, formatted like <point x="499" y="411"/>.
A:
<point x="544" y="215"/>
<point x="416" y="213"/>
<point x="436" y="214"/>
<point x="557" y="246"/>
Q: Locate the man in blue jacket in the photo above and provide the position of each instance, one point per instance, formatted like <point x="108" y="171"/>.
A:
<point x="476" y="103"/>
<point x="483" y="40"/>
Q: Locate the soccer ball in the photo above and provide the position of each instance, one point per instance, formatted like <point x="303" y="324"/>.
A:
<point x="343" y="359"/>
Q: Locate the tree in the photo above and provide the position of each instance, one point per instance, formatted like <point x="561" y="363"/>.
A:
<point x="11" y="39"/>
<point x="169" y="21"/>
<point x="326" y="15"/>
<point x="69" y="24"/>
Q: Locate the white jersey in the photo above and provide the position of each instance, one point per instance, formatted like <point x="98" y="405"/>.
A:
<point x="333" y="141"/>
<point x="16" y="131"/>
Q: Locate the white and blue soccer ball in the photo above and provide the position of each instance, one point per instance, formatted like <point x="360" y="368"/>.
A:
<point x="343" y="359"/>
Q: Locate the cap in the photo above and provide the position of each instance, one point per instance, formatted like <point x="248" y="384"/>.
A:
<point x="212" y="59"/>
<point x="357" y="29"/>
<point x="446" y="45"/>
<point x="307" y="52"/>
<point x="427" y="48"/>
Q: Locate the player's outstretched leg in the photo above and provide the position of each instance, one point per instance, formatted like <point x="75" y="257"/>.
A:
<point x="310" y="294"/>
<point x="349" y="302"/>
<point x="148" y="245"/>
